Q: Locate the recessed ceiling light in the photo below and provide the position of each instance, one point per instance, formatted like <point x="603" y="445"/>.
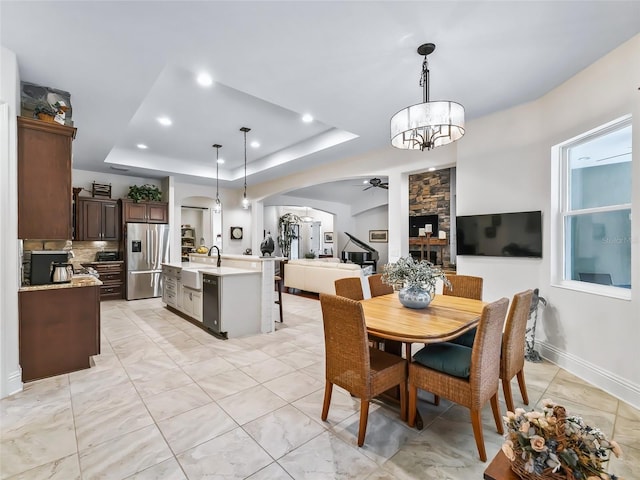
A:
<point x="220" y="161"/>
<point x="142" y="146"/>
<point x="166" y="121"/>
<point x="365" y="182"/>
<point x="584" y="158"/>
<point x="432" y="169"/>
<point x="307" y="118"/>
<point x="204" y="79"/>
<point x="255" y="144"/>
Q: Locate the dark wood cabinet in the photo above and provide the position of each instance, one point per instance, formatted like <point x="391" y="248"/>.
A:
<point x="97" y="219"/>
<point x="112" y="278"/>
<point x="59" y="330"/>
<point x="44" y="179"/>
<point x="144" y="212"/>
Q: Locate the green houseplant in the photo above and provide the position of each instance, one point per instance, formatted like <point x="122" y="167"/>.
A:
<point x="286" y="232"/>
<point x="139" y="193"/>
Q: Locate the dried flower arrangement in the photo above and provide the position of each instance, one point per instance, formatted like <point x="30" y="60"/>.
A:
<point x="552" y="445"/>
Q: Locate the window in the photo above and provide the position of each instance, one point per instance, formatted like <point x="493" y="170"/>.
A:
<point x="594" y="207"/>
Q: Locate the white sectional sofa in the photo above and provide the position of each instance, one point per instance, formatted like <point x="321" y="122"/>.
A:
<point x="319" y="275"/>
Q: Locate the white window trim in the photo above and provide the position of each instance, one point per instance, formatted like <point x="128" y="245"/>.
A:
<point x="559" y="211"/>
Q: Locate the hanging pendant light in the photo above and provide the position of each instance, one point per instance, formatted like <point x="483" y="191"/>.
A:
<point x="307" y="218"/>
<point x="217" y="208"/>
<point x="245" y="200"/>
<point x="429" y="124"/>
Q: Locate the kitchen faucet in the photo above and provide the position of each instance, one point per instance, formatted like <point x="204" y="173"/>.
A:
<point x="219" y="262"/>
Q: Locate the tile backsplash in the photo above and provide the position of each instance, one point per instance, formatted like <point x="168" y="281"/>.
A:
<point x="84" y="251"/>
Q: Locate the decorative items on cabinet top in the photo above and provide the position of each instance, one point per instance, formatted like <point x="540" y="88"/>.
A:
<point x="147" y="191"/>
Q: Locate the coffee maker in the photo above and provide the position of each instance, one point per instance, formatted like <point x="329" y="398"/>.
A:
<point x="42" y="265"/>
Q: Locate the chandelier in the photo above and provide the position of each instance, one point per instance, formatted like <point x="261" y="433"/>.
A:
<point x="217" y="208"/>
<point x="245" y="200"/>
<point x="428" y="124"/>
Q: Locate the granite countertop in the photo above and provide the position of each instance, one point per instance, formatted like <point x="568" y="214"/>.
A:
<point x="76" y="281"/>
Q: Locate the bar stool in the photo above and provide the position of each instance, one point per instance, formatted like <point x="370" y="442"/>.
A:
<point x="278" y="284"/>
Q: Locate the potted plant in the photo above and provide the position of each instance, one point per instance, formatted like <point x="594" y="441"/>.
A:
<point x="45" y="112"/>
<point x="286" y="232"/>
<point x="139" y="193"/>
<point x="416" y="280"/>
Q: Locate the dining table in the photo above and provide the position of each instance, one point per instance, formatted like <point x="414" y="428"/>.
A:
<point x="445" y="318"/>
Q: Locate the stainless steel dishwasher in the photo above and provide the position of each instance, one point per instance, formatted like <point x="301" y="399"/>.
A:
<point x="211" y="304"/>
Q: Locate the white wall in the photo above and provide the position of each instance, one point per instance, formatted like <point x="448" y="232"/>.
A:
<point x="504" y="164"/>
<point x="373" y="219"/>
<point x="10" y="372"/>
<point x="204" y="196"/>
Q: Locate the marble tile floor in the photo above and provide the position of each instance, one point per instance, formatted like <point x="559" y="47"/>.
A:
<point x="165" y="400"/>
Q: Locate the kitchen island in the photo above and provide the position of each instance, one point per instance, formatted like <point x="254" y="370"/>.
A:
<point x="232" y="300"/>
<point x="59" y="327"/>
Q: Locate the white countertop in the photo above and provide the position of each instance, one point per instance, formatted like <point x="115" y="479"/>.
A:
<point x="211" y="269"/>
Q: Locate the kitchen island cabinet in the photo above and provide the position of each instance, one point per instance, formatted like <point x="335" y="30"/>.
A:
<point x="44" y="179"/>
<point x="59" y="327"/>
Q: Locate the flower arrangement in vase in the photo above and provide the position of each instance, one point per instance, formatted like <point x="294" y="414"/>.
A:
<point x="552" y="445"/>
<point x="416" y="280"/>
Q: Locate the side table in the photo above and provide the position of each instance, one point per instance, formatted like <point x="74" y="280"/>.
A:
<point x="500" y="469"/>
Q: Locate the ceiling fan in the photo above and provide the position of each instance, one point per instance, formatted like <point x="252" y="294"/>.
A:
<point x="376" y="182"/>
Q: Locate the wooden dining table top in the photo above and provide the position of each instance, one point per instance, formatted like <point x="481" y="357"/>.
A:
<point x="445" y="318"/>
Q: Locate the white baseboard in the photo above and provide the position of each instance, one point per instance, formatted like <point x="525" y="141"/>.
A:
<point x="611" y="383"/>
<point x="14" y="383"/>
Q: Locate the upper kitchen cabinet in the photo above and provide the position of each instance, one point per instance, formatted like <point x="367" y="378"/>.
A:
<point x="144" y="212"/>
<point x="97" y="219"/>
<point x="44" y="180"/>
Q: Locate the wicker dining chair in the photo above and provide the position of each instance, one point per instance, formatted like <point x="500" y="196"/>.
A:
<point x="513" y="339"/>
<point x="467" y="376"/>
<point x="377" y="286"/>
<point x="350" y="287"/>
<point x="350" y="363"/>
<point x="465" y="286"/>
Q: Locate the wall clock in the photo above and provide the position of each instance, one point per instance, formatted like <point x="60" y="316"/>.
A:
<point x="236" y="233"/>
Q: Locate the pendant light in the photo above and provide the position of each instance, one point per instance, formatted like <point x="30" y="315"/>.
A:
<point x="245" y="200"/>
<point x="428" y="124"/>
<point x="218" y="206"/>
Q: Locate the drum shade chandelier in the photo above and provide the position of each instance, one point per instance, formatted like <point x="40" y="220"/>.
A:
<point x="217" y="208"/>
<point x="245" y="200"/>
<point x="428" y="124"/>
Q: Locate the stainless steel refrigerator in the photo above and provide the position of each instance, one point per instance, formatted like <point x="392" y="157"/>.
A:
<point x="147" y="248"/>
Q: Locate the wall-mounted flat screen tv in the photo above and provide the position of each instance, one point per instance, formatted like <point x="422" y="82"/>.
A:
<point x="416" y="222"/>
<point x="500" y="235"/>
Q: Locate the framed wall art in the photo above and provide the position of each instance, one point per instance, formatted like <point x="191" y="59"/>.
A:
<point x="328" y="237"/>
<point x="379" y="236"/>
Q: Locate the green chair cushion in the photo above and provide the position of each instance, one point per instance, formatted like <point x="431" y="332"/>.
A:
<point x="466" y="338"/>
<point x="449" y="358"/>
